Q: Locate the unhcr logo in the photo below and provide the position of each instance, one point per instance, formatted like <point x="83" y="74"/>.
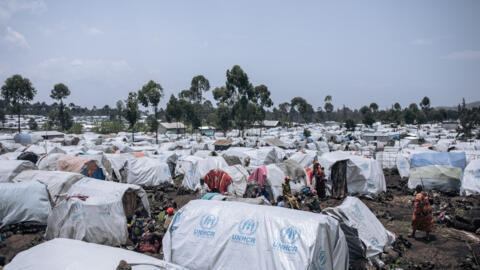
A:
<point x="207" y="224"/>
<point x="246" y="229"/>
<point x="288" y="237"/>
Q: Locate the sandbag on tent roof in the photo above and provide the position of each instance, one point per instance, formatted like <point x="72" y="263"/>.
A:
<point x="61" y="254"/>
<point x="439" y="171"/>
<point x="57" y="182"/>
<point x="203" y="166"/>
<point x="354" y="213"/>
<point x="21" y="202"/>
<point x="101" y="217"/>
<point x="233" y="235"/>
<point x="147" y="171"/>
<point x="86" y="165"/>
<point x="11" y="168"/>
<point x="471" y="179"/>
<point x="363" y="175"/>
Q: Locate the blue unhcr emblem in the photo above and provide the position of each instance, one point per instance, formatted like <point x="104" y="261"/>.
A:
<point x="208" y="222"/>
<point x="289" y="235"/>
<point x="248" y="227"/>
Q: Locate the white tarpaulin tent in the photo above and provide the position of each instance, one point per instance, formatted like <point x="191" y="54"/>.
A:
<point x="115" y="165"/>
<point x="471" y="179"/>
<point x="239" y="177"/>
<point x="439" y="170"/>
<point x="305" y="158"/>
<point x="202" y="167"/>
<point x="364" y="175"/>
<point x="100" y="218"/>
<point x="275" y="178"/>
<point x="62" y="254"/>
<point x="57" y="182"/>
<point x="186" y="165"/>
<point x="20" y="202"/>
<point x="147" y="171"/>
<point x="232" y="235"/>
<point x="11" y="168"/>
<point x="49" y="162"/>
<point x="354" y="213"/>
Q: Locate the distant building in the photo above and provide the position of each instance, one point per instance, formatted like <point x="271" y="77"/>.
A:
<point x="451" y="125"/>
<point x="222" y="144"/>
<point x="266" y="124"/>
<point x="171" y="128"/>
<point x="47" y="135"/>
<point x="207" y="130"/>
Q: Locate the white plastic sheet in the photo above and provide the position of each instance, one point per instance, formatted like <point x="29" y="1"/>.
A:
<point x="201" y="169"/>
<point x="100" y="218"/>
<point x="147" y="171"/>
<point x="232" y="235"/>
<point x="357" y="215"/>
<point x="471" y="179"/>
<point x="62" y="254"/>
<point x="239" y="177"/>
<point x="11" y="168"/>
<point x="20" y="202"/>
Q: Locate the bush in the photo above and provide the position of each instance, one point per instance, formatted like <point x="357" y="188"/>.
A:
<point x="77" y="128"/>
<point x="350" y="124"/>
<point x="107" y="127"/>
<point x="32" y="124"/>
<point x="306" y="133"/>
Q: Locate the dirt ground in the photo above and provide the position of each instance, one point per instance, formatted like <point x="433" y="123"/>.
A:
<point x="454" y="245"/>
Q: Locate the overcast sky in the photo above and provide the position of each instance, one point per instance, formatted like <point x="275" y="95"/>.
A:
<point x="357" y="51"/>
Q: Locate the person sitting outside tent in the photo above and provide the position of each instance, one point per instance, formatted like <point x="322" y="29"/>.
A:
<point x="201" y="188"/>
<point x="422" y="218"/>
<point x="280" y="201"/>
<point x="287" y="194"/>
<point x="218" y="181"/>
<point x="246" y="162"/>
<point x="263" y="192"/>
<point x="136" y="227"/>
<point x="167" y="219"/>
<point x="150" y="241"/>
<point x="318" y="180"/>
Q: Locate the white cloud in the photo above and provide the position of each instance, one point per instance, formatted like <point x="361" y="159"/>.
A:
<point x="9" y="7"/>
<point x="93" y="31"/>
<point x="421" y="41"/>
<point x="64" y="69"/>
<point x="16" y="39"/>
<point x="466" y="54"/>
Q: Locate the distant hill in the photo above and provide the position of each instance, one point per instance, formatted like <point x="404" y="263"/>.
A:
<point x="468" y="105"/>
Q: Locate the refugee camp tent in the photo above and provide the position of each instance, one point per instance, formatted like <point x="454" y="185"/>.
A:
<point x="186" y="165"/>
<point x="61" y="254"/>
<point x="354" y="213"/>
<point x="361" y="175"/>
<point x="11" y="168"/>
<point x="147" y="171"/>
<point x="403" y="159"/>
<point x="49" y="162"/>
<point x="244" y="236"/>
<point x="202" y="167"/>
<point x="438" y="171"/>
<point x="96" y="211"/>
<point x="22" y="138"/>
<point x="275" y="178"/>
<point x="115" y="166"/>
<point x="21" y="202"/>
<point x="239" y="177"/>
<point x="57" y="182"/>
<point x="258" y="157"/>
<point x="304" y="158"/>
<point x="471" y="179"/>
<point x="86" y="165"/>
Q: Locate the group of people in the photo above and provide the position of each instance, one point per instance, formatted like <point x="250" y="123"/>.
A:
<point x="149" y="240"/>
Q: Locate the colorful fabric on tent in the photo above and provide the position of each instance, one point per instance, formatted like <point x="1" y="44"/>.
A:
<point x="259" y="175"/>
<point x="217" y="180"/>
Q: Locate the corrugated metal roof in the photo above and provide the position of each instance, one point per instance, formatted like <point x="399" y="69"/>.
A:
<point x="173" y="125"/>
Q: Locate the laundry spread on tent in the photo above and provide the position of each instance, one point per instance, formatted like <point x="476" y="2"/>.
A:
<point x="259" y="175"/>
<point x="217" y="180"/>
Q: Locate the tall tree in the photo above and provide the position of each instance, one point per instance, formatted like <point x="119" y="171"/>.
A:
<point x="328" y="106"/>
<point x="173" y="110"/>
<point x="120" y="107"/>
<point x="131" y="112"/>
<point x="198" y="86"/>
<point x="59" y="92"/>
<point x="374" y="107"/>
<point x="17" y="92"/>
<point x="284" y="109"/>
<point x="151" y="94"/>
<point x="223" y="118"/>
